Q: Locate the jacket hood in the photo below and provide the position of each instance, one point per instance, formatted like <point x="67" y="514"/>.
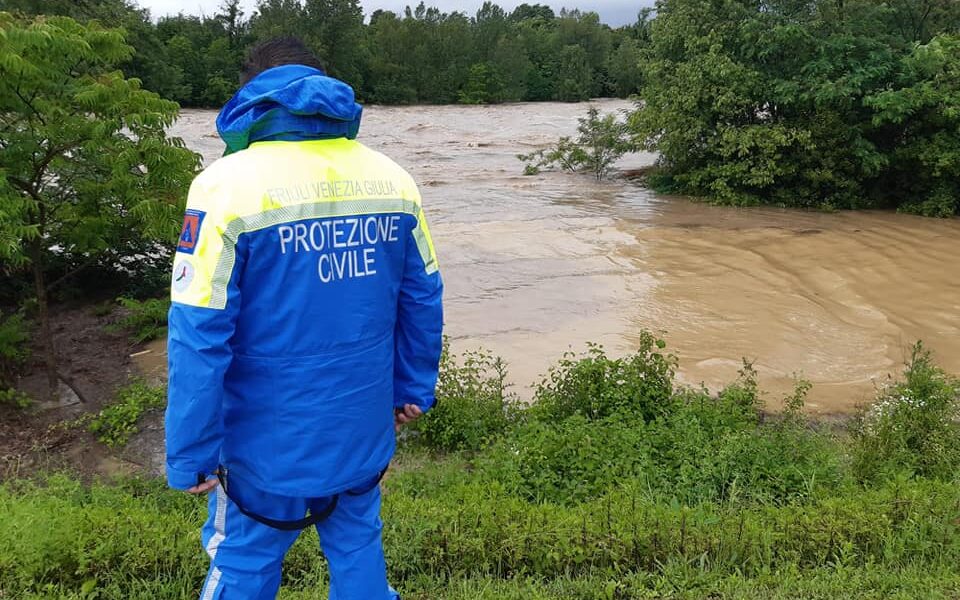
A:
<point x="291" y="102"/>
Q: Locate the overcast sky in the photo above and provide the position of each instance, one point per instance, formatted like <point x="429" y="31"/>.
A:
<point x="614" y="12"/>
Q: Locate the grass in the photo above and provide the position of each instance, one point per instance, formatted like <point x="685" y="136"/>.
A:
<point x="653" y="492"/>
<point x="117" y="422"/>
<point x="449" y="537"/>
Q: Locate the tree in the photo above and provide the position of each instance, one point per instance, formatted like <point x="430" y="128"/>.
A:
<point x="231" y="18"/>
<point x="624" y="67"/>
<point x="924" y="118"/>
<point x="334" y="29"/>
<point x="600" y="144"/>
<point x="86" y="167"/>
<point x="483" y="86"/>
<point x="276" y="18"/>
<point x="510" y="60"/>
<point x="778" y="103"/>
<point x="574" y="73"/>
<point x="535" y="12"/>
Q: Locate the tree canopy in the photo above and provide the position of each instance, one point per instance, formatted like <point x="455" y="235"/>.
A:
<point x="813" y="103"/>
<point x="87" y="172"/>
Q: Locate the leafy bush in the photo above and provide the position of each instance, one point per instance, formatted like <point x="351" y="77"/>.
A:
<point x="145" y="319"/>
<point x="15" y="398"/>
<point x="571" y="460"/>
<point x="695" y="447"/>
<point x="596" y="386"/>
<point x="14" y="349"/>
<point x="116" y="423"/>
<point x="836" y="105"/>
<point x="602" y="141"/>
<point x="747" y="459"/>
<point x="473" y="405"/>
<point x="913" y="426"/>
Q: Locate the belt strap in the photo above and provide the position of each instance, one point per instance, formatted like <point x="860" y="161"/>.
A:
<point x="295" y="524"/>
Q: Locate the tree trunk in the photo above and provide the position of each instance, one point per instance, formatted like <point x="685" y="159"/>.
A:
<point x="46" y="334"/>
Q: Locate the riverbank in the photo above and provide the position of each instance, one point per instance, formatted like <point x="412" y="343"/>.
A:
<point x="617" y="484"/>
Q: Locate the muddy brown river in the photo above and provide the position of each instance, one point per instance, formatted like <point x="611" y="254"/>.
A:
<point x="537" y="266"/>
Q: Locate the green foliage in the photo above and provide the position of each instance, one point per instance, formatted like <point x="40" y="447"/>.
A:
<point x="463" y="540"/>
<point x="601" y="142"/>
<point x="484" y="85"/>
<point x="573" y="69"/>
<point x="625" y="68"/>
<point x="913" y="427"/>
<point x="116" y="423"/>
<point x="711" y="498"/>
<point x="689" y="446"/>
<point x="924" y="110"/>
<point x="15" y="398"/>
<point x="419" y="55"/>
<point x="87" y="167"/>
<point x="145" y="319"/>
<point x="14" y="345"/>
<point x="569" y="461"/>
<point x="473" y="405"/>
<point x="819" y="104"/>
<point x="596" y="386"/>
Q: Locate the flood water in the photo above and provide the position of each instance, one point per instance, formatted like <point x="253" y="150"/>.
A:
<point x="537" y="266"/>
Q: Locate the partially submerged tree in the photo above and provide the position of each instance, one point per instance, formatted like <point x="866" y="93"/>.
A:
<point x="602" y="141"/>
<point x="86" y="166"/>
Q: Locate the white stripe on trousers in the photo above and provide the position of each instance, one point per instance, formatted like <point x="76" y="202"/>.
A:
<point x="219" y="526"/>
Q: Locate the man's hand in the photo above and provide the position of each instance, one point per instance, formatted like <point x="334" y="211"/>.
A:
<point x="204" y="487"/>
<point x="410" y="412"/>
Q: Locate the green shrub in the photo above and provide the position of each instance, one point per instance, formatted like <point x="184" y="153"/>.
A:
<point x="596" y="386"/>
<point x="116" y="423"/>
<point x="700" y="448"/>
<point x="145" y="319"/>
<point x="720" y="449"/>
<point x="15" y="398"/>
<point x="601" y="142"/>
<point x="473" y="405"/>
<point x="14" y="348"/>
<point x="913" y="425"/>
<point x="571" y="460"/>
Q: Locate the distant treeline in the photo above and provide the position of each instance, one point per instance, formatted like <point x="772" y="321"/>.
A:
<point x="421" y="56"/>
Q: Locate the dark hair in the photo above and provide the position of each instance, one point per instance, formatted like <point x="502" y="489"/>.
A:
<point x="275" y="53"/>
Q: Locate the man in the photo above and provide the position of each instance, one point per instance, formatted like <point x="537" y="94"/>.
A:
<point x="305" y="326"/>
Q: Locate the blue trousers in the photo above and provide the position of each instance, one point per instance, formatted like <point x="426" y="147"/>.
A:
<point x="246" y="556"/>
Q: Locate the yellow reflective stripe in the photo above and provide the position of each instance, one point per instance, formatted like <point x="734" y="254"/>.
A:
<point x="265" y="186"/>
<point x="428" y="253"/>
<point x="297" y="212"/>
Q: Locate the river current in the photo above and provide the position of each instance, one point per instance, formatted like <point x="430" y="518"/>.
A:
<point x="538" y="266"/>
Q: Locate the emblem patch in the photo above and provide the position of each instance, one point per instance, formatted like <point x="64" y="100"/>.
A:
<point x="183" y="272"/>
<point x="190" y="234"/>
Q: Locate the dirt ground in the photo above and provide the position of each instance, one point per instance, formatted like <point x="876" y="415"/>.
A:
<point x="95" y="358"/>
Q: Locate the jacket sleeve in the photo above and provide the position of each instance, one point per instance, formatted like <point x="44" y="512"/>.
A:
<point x="419" y="331"/>
<point x="205" y="304"/>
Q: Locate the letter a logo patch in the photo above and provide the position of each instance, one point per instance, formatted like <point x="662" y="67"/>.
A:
<point x="190" y="234"/>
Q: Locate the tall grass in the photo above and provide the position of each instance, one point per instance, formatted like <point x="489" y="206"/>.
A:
<point x="606" y="494"/>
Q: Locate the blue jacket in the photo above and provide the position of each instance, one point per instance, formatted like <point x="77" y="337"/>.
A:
<point x="306" y="298"/>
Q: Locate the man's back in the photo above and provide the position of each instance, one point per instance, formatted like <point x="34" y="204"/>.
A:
<point x="311" y="249"/>
<point x="306" y="323"/>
